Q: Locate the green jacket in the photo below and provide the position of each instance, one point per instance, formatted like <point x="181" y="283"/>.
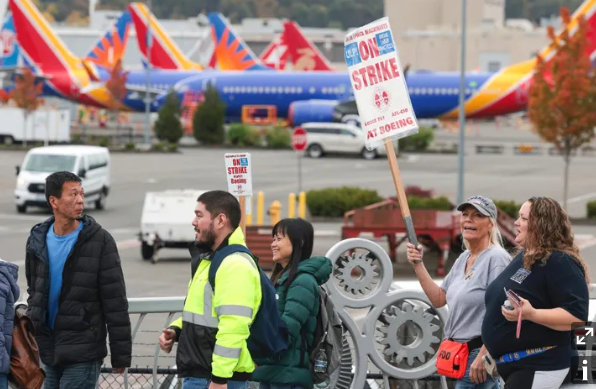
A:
<point x="298" y="308"/>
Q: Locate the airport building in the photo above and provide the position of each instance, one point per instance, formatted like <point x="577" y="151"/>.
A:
<point x="428" y="34"/>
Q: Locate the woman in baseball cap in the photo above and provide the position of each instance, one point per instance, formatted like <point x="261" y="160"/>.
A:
<point x="463" y="290"/>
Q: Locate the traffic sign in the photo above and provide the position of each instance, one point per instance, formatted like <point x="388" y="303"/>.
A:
<point x="299" y="139"/>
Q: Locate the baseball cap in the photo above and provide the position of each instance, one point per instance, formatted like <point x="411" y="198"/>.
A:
<point x="483" y="204"/>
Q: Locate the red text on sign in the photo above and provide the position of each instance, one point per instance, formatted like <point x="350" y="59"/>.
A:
<point x="237" y="170"/>
<point x="387" y="128"/>
<point x="374" y="74"/>
<point x="368" y="49"/>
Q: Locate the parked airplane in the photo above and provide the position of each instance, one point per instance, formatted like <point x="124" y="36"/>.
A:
<point x="65" y="75"/>
<point x="166" y="55"/>
<point x="303" y="53"/>
<point x="299" y="96"/>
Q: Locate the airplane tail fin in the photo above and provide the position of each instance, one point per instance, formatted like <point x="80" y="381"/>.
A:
<point x="164" y="52"/>
<point x="305" y="55"/>
<point x="110" y="47"/>
<point x="10" y="47"/>
<point x="39" y="44"/>
<point x="231" y="51"/>
<point x="276" y="55"/>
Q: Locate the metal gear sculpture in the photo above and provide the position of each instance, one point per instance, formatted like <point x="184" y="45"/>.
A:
<point x="389" y="310"/>
<point x="347" y="264"/>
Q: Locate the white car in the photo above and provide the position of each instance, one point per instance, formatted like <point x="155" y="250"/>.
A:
<point x="90" y="163"/>
<point x="337" y="138"/>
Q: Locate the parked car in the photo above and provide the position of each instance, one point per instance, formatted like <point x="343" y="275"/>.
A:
<point x="337" y="138"/>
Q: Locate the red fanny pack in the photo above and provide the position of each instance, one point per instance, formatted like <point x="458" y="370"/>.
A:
<point x="452" y="359"/>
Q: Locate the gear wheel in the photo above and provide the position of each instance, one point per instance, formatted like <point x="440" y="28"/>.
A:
<point x="365" y="282"/>
<point x="395" y="318"/>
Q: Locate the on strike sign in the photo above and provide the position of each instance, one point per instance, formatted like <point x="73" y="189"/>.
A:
<point x="238" y="172"/>
<point x="379" y="84"/>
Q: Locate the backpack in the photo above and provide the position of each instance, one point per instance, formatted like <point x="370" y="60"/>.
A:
<point x="25" y="372"/>
<point x="268" y="333"/>
<point x="328" y="337"/>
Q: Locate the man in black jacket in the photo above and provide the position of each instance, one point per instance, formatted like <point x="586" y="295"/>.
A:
<point x="76" y="288"/>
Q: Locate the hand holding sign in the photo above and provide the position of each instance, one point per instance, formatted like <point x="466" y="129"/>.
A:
<point x="382" y="98"/>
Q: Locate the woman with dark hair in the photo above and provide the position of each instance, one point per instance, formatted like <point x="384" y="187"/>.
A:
<point x="297" y="278"/>
<point x="534" y="305"/>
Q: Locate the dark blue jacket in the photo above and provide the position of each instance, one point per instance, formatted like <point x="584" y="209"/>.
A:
<point x="9" y="293"/>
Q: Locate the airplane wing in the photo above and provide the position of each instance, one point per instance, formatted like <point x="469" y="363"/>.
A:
<point x="10" y="72"/>
<point x="140" y="92"/>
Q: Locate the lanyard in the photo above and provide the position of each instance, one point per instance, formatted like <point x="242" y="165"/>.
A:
<point x="516" y="356"/>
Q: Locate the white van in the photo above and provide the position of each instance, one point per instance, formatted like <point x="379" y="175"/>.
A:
<point x="91" y="163"/>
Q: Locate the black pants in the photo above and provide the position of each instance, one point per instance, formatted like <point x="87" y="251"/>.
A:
<point x="531" y="379"/>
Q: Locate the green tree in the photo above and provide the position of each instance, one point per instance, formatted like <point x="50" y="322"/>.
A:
<point x="563" y="94"/>
<point x="168" y="126"/>
<point x="209" y="119"/>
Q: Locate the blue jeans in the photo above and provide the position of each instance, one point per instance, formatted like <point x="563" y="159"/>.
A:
<point x="466" y="383"/>
<point x="279" y="386"/>
<point x="203" y="383"/>
<point x="3" y="381"/>
<point x="77" y="376"/>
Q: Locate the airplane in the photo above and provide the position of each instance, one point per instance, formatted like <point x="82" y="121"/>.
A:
<point x="327" y="96"/>
<point x="64" y="75"/>
<point x="303" y="53"/>
<point x="166" y="55"/>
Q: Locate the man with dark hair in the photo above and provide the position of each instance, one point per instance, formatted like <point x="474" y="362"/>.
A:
<point x="76" y="289"/>
<point x="214" y="327"/>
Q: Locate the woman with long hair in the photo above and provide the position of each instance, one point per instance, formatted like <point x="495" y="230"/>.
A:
<point x="535" y="304"/>
<point x="464" y="287"/>
<point x="296" y="277"/>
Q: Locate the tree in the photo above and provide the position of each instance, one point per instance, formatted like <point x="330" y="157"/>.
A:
<point x="26" y="96"/>
<point x="116" y="85"/>
<point x="563" y="94"/>
<point x="168" y="126"/>
<point x="208" y="122"/>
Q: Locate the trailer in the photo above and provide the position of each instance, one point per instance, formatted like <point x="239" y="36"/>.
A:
<point x="166" y="221"/>
<point x="42" y="125"/>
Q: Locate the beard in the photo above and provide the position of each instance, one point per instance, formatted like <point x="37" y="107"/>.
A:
<point x="207" y="239"/>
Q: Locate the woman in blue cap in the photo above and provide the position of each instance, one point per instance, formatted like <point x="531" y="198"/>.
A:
<point x="463" y="290"/>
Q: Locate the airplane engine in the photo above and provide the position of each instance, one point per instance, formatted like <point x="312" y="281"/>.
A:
<point x="305" y="111"/>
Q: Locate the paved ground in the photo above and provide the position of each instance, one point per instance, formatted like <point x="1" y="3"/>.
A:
<point x="275" y="173"/>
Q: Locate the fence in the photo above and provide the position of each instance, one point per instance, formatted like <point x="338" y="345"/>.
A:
<point x="391" y="338"/>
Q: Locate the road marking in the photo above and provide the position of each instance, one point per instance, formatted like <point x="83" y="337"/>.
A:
<point x="128" y="244"/>
<point x="587" y="196"/>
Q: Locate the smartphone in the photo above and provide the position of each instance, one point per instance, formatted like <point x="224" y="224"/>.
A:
<point x="513" y="296"/>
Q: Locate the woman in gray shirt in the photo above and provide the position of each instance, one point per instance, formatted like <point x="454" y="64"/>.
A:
<point x="464" y="287"/>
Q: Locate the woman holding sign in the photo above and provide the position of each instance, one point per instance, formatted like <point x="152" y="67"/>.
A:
<point x="461" y="353"/>
<point x="534" y="305"/>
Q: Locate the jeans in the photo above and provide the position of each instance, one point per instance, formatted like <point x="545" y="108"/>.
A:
<point x="77" y="376"/>
<point x="466" y="383"/>
<point x="279" y="386"/>
<point x="3" y="381"/>
<point x="203" y="383"/>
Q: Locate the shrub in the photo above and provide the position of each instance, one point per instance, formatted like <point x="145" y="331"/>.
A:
<point x="168" y="126"/>
<point x="159" y="146"/>
<point x="591" y="206"/>
<point x="104" y="141"/>
<point x="334" y="202"/>
<point x="437" y="203"/>
<point x="208" y="121"/>
<point x="242" y="135"/>
<point x="279" y="138"/>
<point x="172" y="147"/>
<point x="510" y="208"/>
<point x="418" y="141"/>
<point x="418" y="192"/>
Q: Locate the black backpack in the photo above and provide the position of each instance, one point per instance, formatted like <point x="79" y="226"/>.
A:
<point x="268" y="333"/>
<point x="328" y="337"/>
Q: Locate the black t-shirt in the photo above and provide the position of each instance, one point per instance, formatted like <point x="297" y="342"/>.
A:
<point x="559" y="283"/>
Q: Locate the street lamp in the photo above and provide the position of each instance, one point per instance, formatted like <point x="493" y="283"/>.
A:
<point x="462" y="110"/>
<point x="148" y="44"/>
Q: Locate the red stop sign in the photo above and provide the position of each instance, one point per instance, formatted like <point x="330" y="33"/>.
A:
<point x="299" y="139"/>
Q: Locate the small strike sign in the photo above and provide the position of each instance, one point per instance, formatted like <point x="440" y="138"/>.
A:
<point x="238" y="173"/>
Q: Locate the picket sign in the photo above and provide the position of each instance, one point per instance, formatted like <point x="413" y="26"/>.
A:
<point x="382" y="98"/>
<point x="239" y="177"/>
